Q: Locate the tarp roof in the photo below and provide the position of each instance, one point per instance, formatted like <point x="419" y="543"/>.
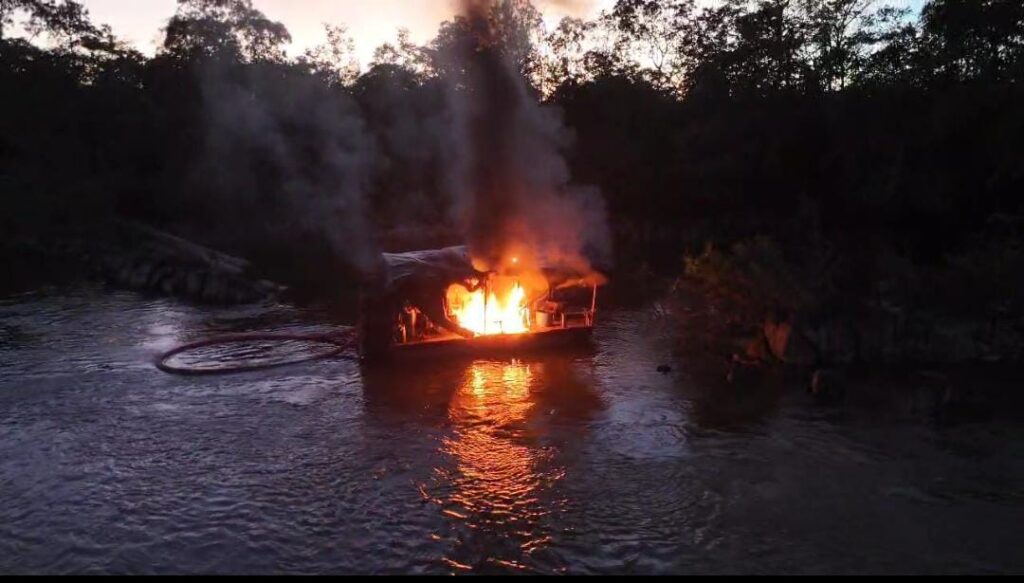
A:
<point x="449" y="265"/>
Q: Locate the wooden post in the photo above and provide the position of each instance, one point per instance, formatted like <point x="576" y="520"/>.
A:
<point x="593" y="305"/>
<point x="487" y="299"/>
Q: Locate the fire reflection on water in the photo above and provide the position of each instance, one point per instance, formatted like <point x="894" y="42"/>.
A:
<point x="507" y="433"/>
<point x="497" y="471"/>
<point x="501" y="476"/>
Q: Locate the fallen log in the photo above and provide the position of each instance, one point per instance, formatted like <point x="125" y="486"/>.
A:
<point x="159" y="262"/>
<point x="184" y="249"/>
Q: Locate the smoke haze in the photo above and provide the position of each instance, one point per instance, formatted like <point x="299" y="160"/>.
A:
<point x="294" y="155"/>
<point x="515" y="196"/>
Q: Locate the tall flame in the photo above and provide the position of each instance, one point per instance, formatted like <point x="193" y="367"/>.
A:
<point x="490" y="312"/>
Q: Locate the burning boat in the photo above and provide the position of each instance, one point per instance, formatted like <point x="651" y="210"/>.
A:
<point x="438" y="302"/>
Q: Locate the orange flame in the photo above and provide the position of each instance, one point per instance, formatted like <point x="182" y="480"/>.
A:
<point x="499" y="309"/>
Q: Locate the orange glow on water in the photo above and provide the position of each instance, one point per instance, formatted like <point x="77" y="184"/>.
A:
<point x="497" y="475"/>
<point x="500" y="475"/>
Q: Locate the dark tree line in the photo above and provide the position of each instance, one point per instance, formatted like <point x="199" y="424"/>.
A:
<point x="827" y="124"/>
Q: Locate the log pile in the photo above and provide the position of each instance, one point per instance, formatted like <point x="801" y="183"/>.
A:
<point x="135" y="257"/>
<point x="147" y="260"/>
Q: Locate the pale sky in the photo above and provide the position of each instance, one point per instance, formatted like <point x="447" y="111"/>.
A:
<point x="370" y="22"/>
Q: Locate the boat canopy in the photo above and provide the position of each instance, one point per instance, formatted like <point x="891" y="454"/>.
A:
<point x="450" y="265"/>
<point x="454" y="264"/>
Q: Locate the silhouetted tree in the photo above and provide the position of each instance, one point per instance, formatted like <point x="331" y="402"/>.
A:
<point x="838" y="34"/>
<point x="402" y="53"/>
<point x="975" y="39"/>
<point x="896" y="55"/>
<point x="567" y="49"/>
<point x="334" y="60"/>
<point x="514" y="29"/>
<point x="819" y="122"/>
<point x="63" y="17"/>
<point x="767" y="55"/>
<point x="653" y="32"/>
<point x="229" y="29"/>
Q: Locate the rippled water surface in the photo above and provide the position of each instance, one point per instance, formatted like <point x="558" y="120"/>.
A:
<point x="587" y="461"/>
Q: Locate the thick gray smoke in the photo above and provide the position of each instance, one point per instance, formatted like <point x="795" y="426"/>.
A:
<point x="514" y="195"/>
<point x="288" y="155"/>
<point x="291" y="157"/>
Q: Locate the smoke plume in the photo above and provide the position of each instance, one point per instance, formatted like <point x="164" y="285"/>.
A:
<point x="285" y="155"/>
<point x="290" y="159"/>
<point x="514" y="196"/>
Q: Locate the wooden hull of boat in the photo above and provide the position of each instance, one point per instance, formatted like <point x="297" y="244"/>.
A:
<point x="496" y="345"/>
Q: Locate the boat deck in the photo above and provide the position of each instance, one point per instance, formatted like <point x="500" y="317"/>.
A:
<point x="501" y="343"/>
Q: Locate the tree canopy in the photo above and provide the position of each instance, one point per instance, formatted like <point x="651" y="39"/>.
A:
<point x="703" y="120"/>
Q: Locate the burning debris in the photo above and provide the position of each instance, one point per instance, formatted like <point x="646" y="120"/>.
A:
<point x="496" y="306"/>
<point x="514" y="200"/>
<point x="439" y="299"/>
<point x="526" y="272"/>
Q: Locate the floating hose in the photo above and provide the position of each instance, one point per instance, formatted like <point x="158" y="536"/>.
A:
<point x="340" y="342"/>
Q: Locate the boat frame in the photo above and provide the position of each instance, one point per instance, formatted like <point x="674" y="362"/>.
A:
<point x="565" y="323"/>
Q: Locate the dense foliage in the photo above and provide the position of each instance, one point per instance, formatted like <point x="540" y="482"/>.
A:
<point x="842" y="127"/>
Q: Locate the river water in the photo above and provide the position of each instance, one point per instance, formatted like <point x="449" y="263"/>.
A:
<point x="586" y="461"/>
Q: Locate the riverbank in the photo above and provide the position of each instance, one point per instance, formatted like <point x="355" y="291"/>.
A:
<point x="811" y="307"/>
<point x="136" y="257"/>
